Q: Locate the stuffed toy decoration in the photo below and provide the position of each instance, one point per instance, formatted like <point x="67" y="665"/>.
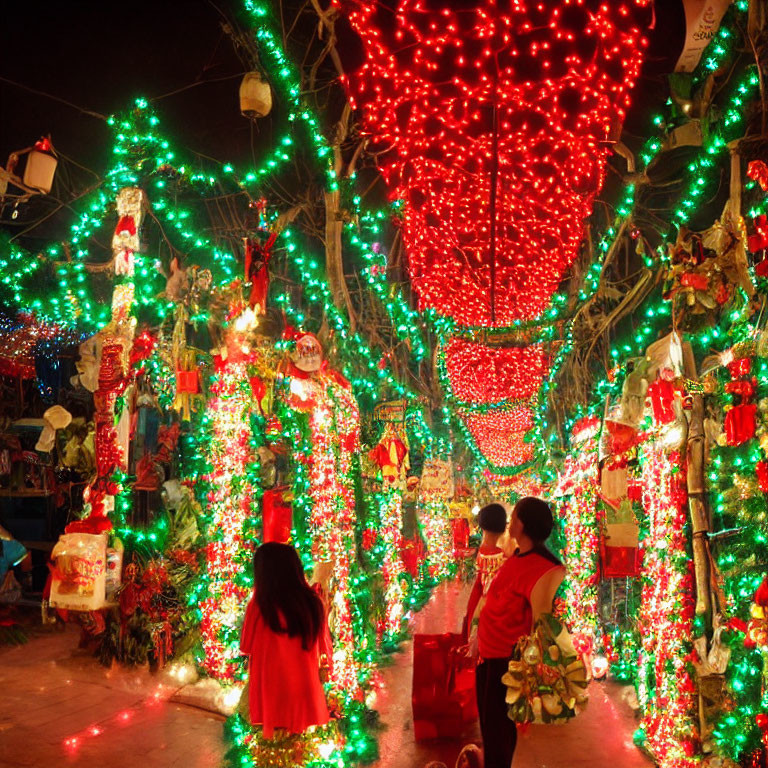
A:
<point x="125" y="240"/>
<point x="177" y="285"/>
<point x="55" y="418"/>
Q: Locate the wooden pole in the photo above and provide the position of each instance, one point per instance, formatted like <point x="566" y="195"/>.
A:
<point x="700" y="522"/>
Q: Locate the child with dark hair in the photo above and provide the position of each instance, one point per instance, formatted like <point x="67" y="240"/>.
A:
<point x="285" y="636"/>
<point x="492" y="520"/>
<point x="523" y="589"/>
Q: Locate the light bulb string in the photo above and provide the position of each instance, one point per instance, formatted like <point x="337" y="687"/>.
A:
<point x="494" y="185"/>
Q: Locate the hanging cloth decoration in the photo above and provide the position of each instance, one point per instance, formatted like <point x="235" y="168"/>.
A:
<point x="662" y="393"/>
<point x="740" y="418"/>
<point x="257" y="256"/>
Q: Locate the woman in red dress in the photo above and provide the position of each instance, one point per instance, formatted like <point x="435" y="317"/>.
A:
<point x="522" y="589"/>
<point x="285" y="636"/>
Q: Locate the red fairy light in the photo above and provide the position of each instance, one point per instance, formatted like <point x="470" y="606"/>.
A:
<point x="526" y="95"/>
<point x="231" y="453"/>
<point x="484" y="374"/>
<point x="490" y="122"/>
<point x="500" y="434"/>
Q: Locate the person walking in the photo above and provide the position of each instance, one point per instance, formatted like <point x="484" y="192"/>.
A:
<point x="523" y="588"/>
<point x="285" y="636"/>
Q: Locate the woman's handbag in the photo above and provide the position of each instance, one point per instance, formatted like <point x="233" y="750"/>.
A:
<point x="547" y="679"/>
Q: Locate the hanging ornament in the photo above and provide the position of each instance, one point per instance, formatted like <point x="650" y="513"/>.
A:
<point x="257" y="256"/>
<point x="758" y="171"/>
<point x="255" y="96"/>
<point x="662" y="393"/>
<point x="479" y="110"/>
<point x="41" y="166"/>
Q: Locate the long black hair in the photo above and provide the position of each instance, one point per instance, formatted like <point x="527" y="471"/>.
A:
<point x="537" y="520"/>
<point x="287" y="603"/>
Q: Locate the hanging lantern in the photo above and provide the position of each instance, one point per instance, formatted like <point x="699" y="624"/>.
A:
<point x="255" y="96"/>
<point x="41" y="166"/>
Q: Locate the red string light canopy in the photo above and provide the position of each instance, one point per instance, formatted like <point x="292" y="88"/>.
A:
<point x="480" y="373"/>
<point x="520" y="93"/>
<point x="501" y="436"/>
<point x="491" y="122"/>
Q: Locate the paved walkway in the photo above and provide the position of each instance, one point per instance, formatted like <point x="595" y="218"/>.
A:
<point x="61" y="708"/>
<point x="601" y="737"/>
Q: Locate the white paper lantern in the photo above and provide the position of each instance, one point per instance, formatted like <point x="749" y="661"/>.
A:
<point x="255" y="96"/>
<point x="41" y="167"/>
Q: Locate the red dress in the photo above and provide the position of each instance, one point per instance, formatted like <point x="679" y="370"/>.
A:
<point x="284" y="689"/>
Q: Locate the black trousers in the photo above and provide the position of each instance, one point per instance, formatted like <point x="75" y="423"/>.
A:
<point x="498" y="731"/>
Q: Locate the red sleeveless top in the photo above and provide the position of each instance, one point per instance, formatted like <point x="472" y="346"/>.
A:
<point x="506" y="615"/>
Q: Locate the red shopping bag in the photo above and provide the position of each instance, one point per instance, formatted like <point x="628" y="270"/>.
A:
<point x="443" y="692"/>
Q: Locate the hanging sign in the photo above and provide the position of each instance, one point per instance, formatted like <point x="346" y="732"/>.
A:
<point x="702" y="20"/>
<point x="392" y="411"/>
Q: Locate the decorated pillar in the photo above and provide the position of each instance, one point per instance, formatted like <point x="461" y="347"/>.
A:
<point x="435" y="493"/>
<point x="577" y="490"/>
<point x="105" y="357"/>
<point x="326" y="398"/>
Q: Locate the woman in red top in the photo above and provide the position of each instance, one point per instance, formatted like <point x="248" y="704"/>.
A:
<point x="285" y="635"/>
<point x="524" y="588"/>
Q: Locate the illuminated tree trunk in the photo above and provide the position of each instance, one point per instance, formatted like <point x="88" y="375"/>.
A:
<point x="230" y="498"/>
